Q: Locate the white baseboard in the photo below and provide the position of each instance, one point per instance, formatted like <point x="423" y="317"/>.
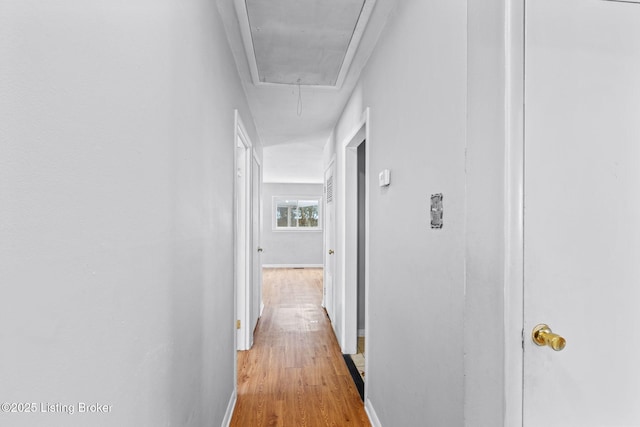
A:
<point x="292" y="266"/>
<point x="226" y="421"/>
<point x="371" y="413"/>
<point x="361" y="333"/>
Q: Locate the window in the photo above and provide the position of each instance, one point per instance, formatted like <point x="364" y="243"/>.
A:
<point x="297" y="213"/>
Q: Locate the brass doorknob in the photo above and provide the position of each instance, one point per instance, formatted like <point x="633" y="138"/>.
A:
<point x="542" y="336"/>
<point x="331" y="252"/>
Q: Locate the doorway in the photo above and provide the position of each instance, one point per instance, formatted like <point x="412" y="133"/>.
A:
<point x="359" y="357"/>
<point x="247" y="237"/>
<point x="257" y="304"/>
<point x="356" y="228"/>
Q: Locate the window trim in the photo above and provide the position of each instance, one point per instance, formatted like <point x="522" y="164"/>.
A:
<point x="274" y="221"/>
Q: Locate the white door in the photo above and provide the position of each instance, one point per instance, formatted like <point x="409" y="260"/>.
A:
<point x="256" y="230"/>
<point x="329" y="240"/>
<point x="582" y="212"/>
<point x="244" y="250"/>
<point x="243" y="272"/>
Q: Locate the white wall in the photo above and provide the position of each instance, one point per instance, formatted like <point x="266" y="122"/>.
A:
<point x="435" y="88"/>
<point x="415" y="86"/>
<point x="485" y="218"/>
<point x="116" y="219"/>
<point x="289" y="248"/>
<point x="295" y="163"/>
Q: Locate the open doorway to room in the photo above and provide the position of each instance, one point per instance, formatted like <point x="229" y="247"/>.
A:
<point x="248" y="274"/>
<point x="356" y="192"/>
<point x="356" y="256"/>
<point x="358" y="358"/>
<point x="257" y="304"/>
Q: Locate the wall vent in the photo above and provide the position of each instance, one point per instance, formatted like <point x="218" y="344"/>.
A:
<point x="330" y="189"/>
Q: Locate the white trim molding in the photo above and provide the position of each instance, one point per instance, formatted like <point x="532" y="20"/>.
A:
<point x="371" y="413"/>
<point x="242" y="273"/>
<point x="348" y="241"/>
<point x="514" y="211"/>
<point x="226" y="421"/>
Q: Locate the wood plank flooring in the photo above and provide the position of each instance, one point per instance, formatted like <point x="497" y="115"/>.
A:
<point x="295" y="376"/>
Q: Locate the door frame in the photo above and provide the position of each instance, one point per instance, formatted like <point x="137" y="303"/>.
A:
<point x="514" y="212"/>
<point x="256" y="244"/>
<point x="349" y="254"/>
<point x="242" y="245"/>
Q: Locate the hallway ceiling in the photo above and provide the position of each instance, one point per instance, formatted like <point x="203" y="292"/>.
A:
<point x="299" y="60"/>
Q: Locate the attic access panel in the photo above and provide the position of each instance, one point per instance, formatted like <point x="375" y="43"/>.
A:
<point x="302" y="41"/>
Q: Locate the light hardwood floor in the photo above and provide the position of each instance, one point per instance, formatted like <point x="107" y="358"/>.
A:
<point x="295" y="374"/>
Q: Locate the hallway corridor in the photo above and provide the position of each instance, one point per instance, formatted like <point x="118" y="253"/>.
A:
<point x="295" y="375"/>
